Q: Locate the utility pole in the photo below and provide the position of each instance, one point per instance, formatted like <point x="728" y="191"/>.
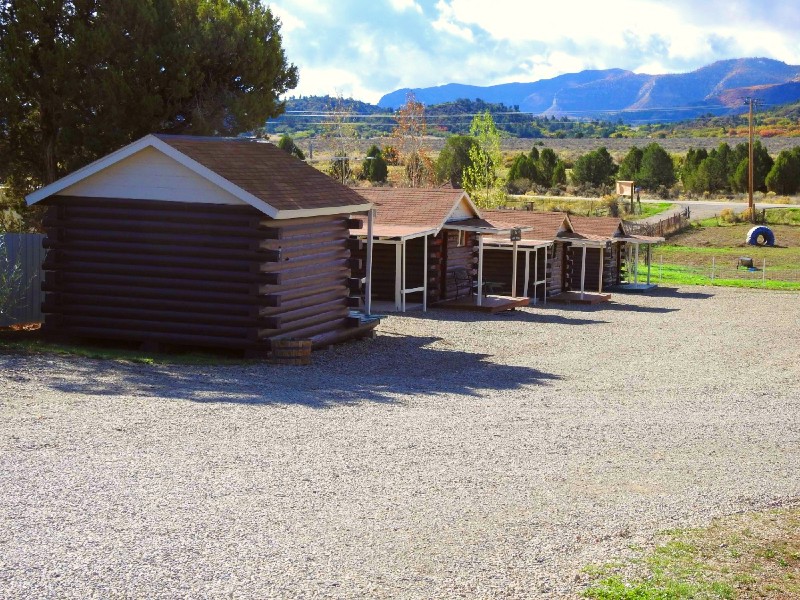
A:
<point x="750" y="204"/>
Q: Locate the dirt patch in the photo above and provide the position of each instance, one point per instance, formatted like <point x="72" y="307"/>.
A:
<point x="733" y="236"/>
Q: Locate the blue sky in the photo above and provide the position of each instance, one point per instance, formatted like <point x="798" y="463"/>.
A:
<point x="366" y="48"/>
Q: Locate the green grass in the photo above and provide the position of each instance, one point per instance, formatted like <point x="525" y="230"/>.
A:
<point x="751" y="555"/>
<point x="686" y="275"/>
<point x="32" y="343"/>
<point x="595" y="208"/>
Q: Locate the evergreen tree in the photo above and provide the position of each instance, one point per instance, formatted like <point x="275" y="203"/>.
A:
<point x="630" y="165"/>
<point x="546" y="166"/>
<point x="594" y="168"/>
<point x="374" y="167"/>
<point x="656" y="168"/>
<point x="523" y="167"/>
<point x="690" y="165"/>
<point x="762" y="164"/>
<point x="784" y="177"/>
<point x="286" y="143"/>
<point x="79" y="79"/>
<point x="453" y="159"/>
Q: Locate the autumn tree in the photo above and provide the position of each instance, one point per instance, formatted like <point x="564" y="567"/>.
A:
<point x="341" y="136"/>
<point x="409" y="140"/>
<point x="80" y="78"/>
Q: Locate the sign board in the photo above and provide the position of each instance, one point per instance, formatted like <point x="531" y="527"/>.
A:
<point x="516" y="234"/>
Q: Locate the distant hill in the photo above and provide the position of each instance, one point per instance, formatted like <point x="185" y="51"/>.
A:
<point x="716" y="89"/>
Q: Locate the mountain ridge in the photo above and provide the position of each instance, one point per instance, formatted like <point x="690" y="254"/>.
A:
<point x="717" y="88"/>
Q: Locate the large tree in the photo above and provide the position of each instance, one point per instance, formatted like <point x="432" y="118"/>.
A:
<point x="594" y="168"/>
<point x="453" y="159"/>
<point x="79" y="78"/>
<point x="656" y="168"/>
<point x="480" y="177"/>
<point x="784" y="177"/>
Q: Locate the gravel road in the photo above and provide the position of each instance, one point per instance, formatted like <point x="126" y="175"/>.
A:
<point x="456" y="455"/>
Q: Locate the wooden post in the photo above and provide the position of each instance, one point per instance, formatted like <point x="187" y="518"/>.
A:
<point x="583" y="271"/>
<point x="403" y="291"/>
<point x="649" y="249"/>
<point x="514" y="272"/>
<point x="480" y="270"/>
<point x="398" y="273"/>
<point x="425" y="274"/>
<point x="528" y="275"/>
<point x="636" y="265"/>
<point x="764" y="273"/>
<point x="368" y="283"/>
<point x="600" y="273"/>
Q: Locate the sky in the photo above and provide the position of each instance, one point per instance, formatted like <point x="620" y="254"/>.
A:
<point x="364" y="49"/>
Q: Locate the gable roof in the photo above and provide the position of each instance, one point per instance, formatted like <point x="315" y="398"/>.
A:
<point x="255" y="172"/>
<point x="542" y="225"/>
<point x="607" y="227"/>
<point x="412" y="212"/>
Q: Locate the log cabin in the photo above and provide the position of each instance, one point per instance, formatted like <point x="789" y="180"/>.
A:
<point x="424" y="239"/>
<point x="207" y="242"/>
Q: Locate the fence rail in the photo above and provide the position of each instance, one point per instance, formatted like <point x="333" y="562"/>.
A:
<point x="662" y="228"/>
<point x="21" y="258"/>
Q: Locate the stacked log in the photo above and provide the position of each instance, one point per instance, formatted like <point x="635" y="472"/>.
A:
<point x="192" y="273"/>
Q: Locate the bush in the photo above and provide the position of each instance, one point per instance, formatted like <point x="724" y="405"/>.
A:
<point x="518" y="186"/>
<point x="611" y="204"/>
<point x="728" y="216"/>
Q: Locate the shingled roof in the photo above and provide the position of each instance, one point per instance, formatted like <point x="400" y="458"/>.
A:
<point x="606" y="227"/>
<point x="424" y="207"/>
<point x="544" y="226"/>
<point x="255" y="172"/>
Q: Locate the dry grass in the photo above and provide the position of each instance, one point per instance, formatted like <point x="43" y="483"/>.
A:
<point x="750" y="555"/>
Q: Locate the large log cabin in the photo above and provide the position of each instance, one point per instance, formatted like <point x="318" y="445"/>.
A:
<point x="207" y="242"/>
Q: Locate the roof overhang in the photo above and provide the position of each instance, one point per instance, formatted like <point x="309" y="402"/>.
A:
<point x="482" y="226"/>
<point x="152" y="141"/>
<point x="395" y="232"/>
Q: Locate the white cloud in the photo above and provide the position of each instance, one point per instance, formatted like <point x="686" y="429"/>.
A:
<point x="368" y="49"/>
<point x="403" y="5"/>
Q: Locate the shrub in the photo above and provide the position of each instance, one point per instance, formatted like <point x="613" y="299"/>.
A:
<point x="518" y="186"/>
<point x="728" y="216"/>
<point x="611" y="204"/>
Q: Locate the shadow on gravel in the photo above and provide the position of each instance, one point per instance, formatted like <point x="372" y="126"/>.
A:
<point x="522" y="316"/>
<point x="621" y="306"/>
<point x="667" y="292"/>
<point x="381" y="370"/>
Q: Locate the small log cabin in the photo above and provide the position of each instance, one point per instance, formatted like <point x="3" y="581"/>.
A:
<point x="542" y="262"/>
<point x="423" y="238"/>
<point x="205" y="242"/>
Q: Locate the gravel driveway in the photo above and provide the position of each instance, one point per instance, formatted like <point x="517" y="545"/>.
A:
<point x="455" y="455"/>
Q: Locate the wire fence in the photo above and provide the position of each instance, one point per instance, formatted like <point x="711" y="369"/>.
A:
<point x="753" y="273"/>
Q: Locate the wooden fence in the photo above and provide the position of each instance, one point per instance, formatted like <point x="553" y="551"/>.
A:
<point x="21" y="258"/>
<point x="662" y="228"/>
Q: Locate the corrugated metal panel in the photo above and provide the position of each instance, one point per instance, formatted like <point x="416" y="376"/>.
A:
<point x="25" y="253"/>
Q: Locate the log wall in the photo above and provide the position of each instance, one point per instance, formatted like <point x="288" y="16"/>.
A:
<point x="556" y="268"/>
<point x="455" y="256"/>
<point x="498" y="267"/>
<point x="192" y="274"/>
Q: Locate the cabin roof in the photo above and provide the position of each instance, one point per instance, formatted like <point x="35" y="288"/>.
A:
<point x="423" y="207"/>
<point x="542" y="226"/>
<point x="607" y="227"/>
<point x="255" y="172"/>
